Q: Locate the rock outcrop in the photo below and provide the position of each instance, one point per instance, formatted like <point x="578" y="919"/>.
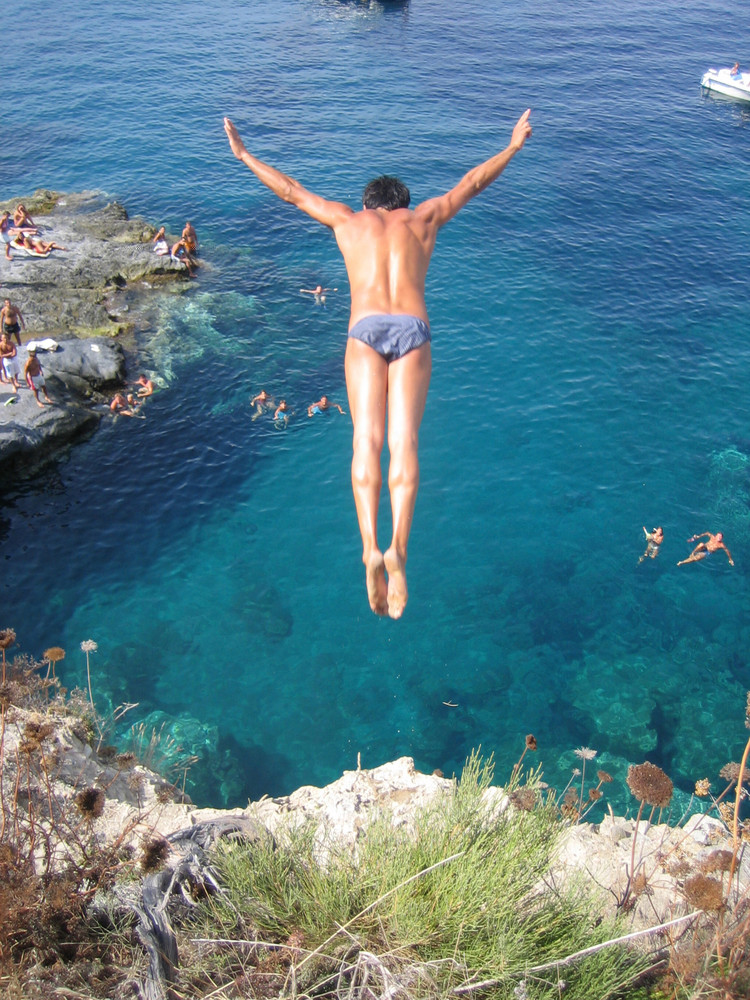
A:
<point x="135" y="809"/>
<point x="97" y="289"/>
<point x="78" y="374"/>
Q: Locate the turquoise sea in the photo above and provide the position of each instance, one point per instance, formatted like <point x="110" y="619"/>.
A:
<point x="591" y="376"/>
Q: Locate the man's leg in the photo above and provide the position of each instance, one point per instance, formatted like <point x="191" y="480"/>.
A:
<point x="366" y="385"/>
<point x="408" y="382"/>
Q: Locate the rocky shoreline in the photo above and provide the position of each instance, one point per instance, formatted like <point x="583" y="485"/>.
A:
<point x="89" y="300"/>
<point x="71" y="804"/>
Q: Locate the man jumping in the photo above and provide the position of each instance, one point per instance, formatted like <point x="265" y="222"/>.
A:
<point x="387" y="250"/>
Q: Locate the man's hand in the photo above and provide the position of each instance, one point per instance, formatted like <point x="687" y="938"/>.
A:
<point x="521" y="132"/>
<point x="235" y="142"/>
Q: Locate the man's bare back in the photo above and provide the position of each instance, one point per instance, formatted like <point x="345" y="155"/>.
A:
<point x="387" y="249"/>
<point x="387" y="254"/>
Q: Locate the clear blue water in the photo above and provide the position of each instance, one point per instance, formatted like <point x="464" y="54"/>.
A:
<point x="591" y="376"/>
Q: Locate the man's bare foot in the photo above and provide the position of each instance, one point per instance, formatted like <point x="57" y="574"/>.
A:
<point x="40" y="404"/>
<point x="398" y="595"/>
<point x="376" y="586"/>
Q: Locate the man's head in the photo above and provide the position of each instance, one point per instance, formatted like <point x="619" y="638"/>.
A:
<point x="386" y="192"/>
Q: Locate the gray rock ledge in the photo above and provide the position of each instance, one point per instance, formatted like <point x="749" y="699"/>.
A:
<point x="97" y="289"/>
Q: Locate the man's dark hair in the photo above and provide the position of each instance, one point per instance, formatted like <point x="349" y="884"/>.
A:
<point x="386" y="192"/>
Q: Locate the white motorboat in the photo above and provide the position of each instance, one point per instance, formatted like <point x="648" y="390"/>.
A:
<point x="724" y="81"/>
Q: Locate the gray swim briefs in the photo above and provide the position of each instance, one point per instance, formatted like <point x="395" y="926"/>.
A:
<point x="392" y="335"/>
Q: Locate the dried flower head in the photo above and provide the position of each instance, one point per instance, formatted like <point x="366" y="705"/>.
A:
<point x="531" y="742"/>
<point x="730" y="771"/>
<point x="702" y="787"/>
<point x="89" y="646"/>
<point x="717" y="861"/>
<point x="90" y="802"/>
<point x="604" y="777"/>
<point x="595" y="794"/>
<point x="165" y="793"/>
<point x="54" y="654"/>
<point x="726" y="811"/>
<point x="703" y="893"/>
<point x="155" y="853"/>
<point x="523" y="798"/>
<point x="7" y="638"/>
<point x="585" y="753"/>
<point x="570" y="805"/>
<point x="650" y="784"/>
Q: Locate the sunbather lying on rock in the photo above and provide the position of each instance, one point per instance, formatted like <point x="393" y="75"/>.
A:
<point x="39" y="245"/>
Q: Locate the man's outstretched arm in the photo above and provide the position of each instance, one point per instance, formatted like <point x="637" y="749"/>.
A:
<point x="330" y="213"/>
<point x="443" y="208"/>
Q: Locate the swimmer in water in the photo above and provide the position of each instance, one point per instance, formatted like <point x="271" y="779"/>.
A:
<point x="653" y="541"/>
<point x="703" y="549"/>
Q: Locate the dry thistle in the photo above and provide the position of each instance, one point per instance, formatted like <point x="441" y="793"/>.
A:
<point x="717" y="861"/>
<point x="154" y="854"/>
<point x="730" y="771"/>
<point x="570" y="807"/>
<point x="165" y="793"/>
<point x="530" y="745"/>
<point x="650" y="784"/>
<point x="7" y="638"/>
<point x="603" y="777"/>
<point x="90" y="802"/>
<point x="584" y="754"/>
<point x="702" y="787"/>
<point x="703" y="893"/>
<point x="53" y="655"/>
<point x="89" y="646"/>
<point x="523" y="798"/>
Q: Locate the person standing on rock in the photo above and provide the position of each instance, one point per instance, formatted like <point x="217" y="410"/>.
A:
<point x="34" y="376"/>
<point x="190" y="237"/>
<point x="11" y="321"/>
<point x="7" y="233"/>
<point x="9" y="357"/>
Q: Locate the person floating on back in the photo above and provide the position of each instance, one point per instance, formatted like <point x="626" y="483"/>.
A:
<point x="703" y="549"/>
<point x="387" y="249"/>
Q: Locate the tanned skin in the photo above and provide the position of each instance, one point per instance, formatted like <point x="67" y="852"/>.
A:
<point x="387" y="253"/>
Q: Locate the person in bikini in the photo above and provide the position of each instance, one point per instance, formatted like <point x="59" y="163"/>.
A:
<point x="39" y="246"/>
<point x="386" y="249"/>
<point x="22" y="219"/>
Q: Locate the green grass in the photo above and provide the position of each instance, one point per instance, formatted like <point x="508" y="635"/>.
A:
<point x="459" y="898"/>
